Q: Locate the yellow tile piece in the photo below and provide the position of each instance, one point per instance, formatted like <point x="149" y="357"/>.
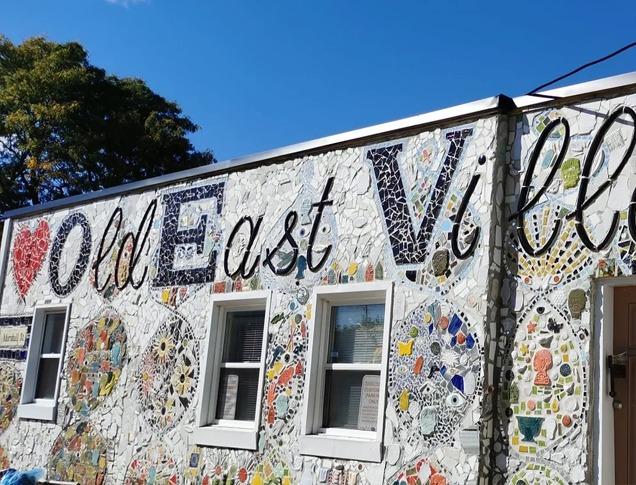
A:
<point x="257" y="479"/>
<point x="405" y="348"/>
<point x="275" y="369"/>
<point x="404" y="400"/>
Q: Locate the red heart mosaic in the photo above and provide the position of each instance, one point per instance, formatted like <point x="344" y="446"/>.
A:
<point x="29" y="250"/>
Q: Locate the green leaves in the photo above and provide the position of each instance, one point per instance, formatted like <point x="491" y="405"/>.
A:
<point x="66" y="127"/>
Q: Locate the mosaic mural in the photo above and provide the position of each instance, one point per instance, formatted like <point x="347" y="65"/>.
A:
<point x="205" y="466"/>
<point x="29" y="252"/>
<point x="491" y="231"/>
<point x="10" y="388"/>
<point x="95" y="362"/>
<point x="435" y="373"/>
<point x="168" y="375"/>
<point x="153" y="466"/>
<point x="421" y="472"/>
<point x="79" y="454"/>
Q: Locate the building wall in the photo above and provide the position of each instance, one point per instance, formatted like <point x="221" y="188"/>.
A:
<point x="546" y="339"/>
<point x="512" y="331"/>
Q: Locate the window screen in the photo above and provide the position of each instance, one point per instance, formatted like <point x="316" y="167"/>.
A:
<point x="50" y="355"/>
<point x="240" y="365"/>
<point x="243" y="336"/>
<point x="352" y="369"/>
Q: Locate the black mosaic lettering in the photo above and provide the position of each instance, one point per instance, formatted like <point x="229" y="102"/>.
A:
<point x="72" y="220"/>
<point x="171" y="237"/>
<point x="408" y="247"/>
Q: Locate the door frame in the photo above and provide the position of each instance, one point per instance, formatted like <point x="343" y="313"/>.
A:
<point x="602" y="345"/>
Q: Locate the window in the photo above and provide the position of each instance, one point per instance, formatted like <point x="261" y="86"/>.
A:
<point x="44" y="363"/>
<point x="348" y="353"/>
<point x="229" y="414"/>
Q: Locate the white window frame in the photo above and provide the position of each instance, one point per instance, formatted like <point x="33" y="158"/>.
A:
<point x="223" y="432"/>
<point x="339" y="442"/>
<point x="30" y="407"/>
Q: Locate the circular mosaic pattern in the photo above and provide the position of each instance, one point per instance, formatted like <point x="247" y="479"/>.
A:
<point x="153" y="466"/>
<point x="544" y="386"/>
<point x="78" y="455"/>
<point x="10" y="388"/>
<point x="95" y="362"/>
<point x="434" y="374"/>
<point x="167" y="378"/>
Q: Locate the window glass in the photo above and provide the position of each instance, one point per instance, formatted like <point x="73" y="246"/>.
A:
<point x="53" y="333"/>
<point x="356" y="334"/>
<point x="243" y="336"/>
<point x="47" y="378"/>
<point x="347" y="404"/>
<point x="238" y="390"/>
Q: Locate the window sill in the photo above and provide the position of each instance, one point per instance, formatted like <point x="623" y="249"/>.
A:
<point x="343" y="447"/>
<point x="226" y="437"/>
<point x="40" y="411"/>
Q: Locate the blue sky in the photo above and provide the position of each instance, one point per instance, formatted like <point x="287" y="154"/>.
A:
<point x="256" y="75"/>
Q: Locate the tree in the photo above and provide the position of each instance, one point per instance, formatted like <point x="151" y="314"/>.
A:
<point x="66" y="127"/>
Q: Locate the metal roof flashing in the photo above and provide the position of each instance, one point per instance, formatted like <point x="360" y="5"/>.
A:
<point x="499" y="104"/>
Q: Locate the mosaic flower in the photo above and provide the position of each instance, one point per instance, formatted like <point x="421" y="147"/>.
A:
<point x="182" y="379"/>
<point x="164" y="348"/>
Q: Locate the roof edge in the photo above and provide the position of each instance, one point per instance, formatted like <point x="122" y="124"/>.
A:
<point x="481" y="107"/>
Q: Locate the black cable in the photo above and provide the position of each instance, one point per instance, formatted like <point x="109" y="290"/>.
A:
<point x="584" y="66"/>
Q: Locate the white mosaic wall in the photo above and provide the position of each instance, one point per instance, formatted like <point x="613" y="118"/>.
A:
<point x="489" y="345"/>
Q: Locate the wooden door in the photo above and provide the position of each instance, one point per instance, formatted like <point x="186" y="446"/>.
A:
<point x="625" y="415"/>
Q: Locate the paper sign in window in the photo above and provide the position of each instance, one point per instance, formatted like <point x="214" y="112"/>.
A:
<point x="369" y="399"/>
<point x="231" y="391"/>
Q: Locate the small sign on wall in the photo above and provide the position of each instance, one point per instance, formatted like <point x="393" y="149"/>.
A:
<point x="369" y="399"/>
<point x="13" y="337"/>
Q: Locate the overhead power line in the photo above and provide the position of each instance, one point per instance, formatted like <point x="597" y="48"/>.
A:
<point x="584" y="66"/>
